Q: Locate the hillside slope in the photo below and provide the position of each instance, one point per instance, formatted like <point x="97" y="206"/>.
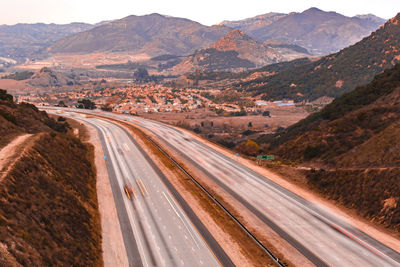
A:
<point x="152" y="34"/>
<point x="355" y="139"/>
<point x="48" y="201"/>
<point x="48" y="207"/>
<point x="346" y="123"/>
<point x="338" y="73"/>
<point x="23" y="118"/>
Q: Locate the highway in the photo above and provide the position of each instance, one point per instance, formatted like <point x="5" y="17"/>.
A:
<point x="323" y="237"/>
<point x="317" y="232"/>
<point x="157" y="231"/>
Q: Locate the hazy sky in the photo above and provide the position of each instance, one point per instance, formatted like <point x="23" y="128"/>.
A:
<point x="204" y="11"/>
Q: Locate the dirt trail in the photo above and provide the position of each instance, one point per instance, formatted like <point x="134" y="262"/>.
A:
<point x="10" y="153"/>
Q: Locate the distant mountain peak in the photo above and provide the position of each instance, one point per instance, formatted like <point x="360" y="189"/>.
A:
<point x="237" y="51"/>
<point x="335" y="72"/>
<point x="313" y="10"/>
<point x="156" y="14"/>
<point x="371" y="17"/>
<point x="395" y="20"/>
<point x="233" y="40"/>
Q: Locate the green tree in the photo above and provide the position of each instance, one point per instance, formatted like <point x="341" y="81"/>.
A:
<point x="86" y="104"/>
<point x="141" y="74"/>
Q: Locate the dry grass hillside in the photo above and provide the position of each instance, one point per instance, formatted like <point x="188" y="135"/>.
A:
<point x="48" y="206"/>
<point x="16" y="119"/>
<point x="48" y="200"/>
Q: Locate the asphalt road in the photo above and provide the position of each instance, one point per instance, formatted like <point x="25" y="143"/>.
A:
<point x="317" y="232"/>
<point x="157" y="231"/>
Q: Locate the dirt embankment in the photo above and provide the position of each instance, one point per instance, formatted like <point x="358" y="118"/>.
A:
<point x="48" y="206"/>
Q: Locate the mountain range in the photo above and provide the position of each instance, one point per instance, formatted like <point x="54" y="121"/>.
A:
<point x="23" y="41"/>
<point x="281" y="36"/>
<point x="318" y="31"/>
<point x="334" y="74"/>
<point x="152" y="34"/>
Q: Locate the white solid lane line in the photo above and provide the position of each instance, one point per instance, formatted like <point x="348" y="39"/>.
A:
<point x="179" y="216"/>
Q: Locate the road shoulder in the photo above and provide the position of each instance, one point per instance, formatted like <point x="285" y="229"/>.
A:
<point x="114" y="253"/>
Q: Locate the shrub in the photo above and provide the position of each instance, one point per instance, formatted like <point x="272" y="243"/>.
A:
<point x="312" y="151"/>
<point x="4" y="96"/>
<point x="8" y="116"/>
<point x="266" y="113"/>
<point x="249" y="147"/>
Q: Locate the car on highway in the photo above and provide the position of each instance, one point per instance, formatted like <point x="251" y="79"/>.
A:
<point x="129" y="191"/>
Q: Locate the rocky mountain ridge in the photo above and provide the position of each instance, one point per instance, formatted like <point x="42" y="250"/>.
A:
<point x="335" y="74"/>
<point x="318" y="31"/>
<point x="236" y="51"/>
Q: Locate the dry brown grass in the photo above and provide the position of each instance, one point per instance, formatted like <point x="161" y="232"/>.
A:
<point x="367" y="191"/>
<point x="48" y="205"/>
<point x="5" y="140"/>
<point x="83" y="132"/>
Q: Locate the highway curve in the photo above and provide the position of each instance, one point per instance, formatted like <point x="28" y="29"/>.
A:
<point x="317" y="232"/>
<point x="158" y="226"/>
